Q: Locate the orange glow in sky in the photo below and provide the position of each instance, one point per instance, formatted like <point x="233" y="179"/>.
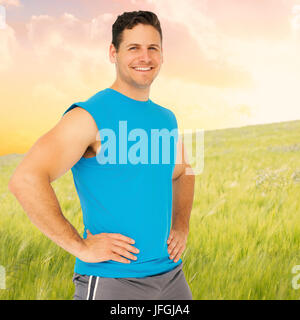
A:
<point x="226" y="63"/>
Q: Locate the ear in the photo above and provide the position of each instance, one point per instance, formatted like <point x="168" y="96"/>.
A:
<point x="112" y="53"/>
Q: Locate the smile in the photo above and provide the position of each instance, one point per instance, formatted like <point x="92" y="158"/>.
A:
<point x="140" y="69"/>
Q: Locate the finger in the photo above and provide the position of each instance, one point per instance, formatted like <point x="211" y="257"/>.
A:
<point x="88" y="232"/>
<point x="170" y="237"/>
<point x="123" y="252"/>
<point x="116" y="257"/>
<point x="172" y="246"/>
<point x="126" y="246"/>
<point x="121" y="237"/>
<point x="178" y="255"/>
<point x="175" y="252"/>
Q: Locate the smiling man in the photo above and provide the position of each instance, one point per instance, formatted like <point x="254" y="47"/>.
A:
<point x="129" y="249"/>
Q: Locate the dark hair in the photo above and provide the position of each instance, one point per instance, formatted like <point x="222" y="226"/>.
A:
<point x="128" y="20"/>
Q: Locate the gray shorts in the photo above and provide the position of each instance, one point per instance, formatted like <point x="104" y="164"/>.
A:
<point x="170" y="285"/>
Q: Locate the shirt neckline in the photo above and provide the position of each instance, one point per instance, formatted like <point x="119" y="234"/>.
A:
<point x="128" y="98"/>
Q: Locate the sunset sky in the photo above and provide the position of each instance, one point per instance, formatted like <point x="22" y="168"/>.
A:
<point x="227" y="63"/>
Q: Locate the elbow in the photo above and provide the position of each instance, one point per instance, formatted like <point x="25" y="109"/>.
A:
<point x="20" y="181"/>
<point x="13" y="184"/>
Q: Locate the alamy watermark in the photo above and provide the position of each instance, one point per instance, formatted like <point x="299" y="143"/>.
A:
<point x="296" y="278"/>
<point x="2" y="278"/>
<point x="2" y="17"/>
<point x="148" y="148"/>
<point x="194" y="147"/>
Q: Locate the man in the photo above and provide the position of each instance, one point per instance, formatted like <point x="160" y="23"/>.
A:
<point x="128" y="250"/>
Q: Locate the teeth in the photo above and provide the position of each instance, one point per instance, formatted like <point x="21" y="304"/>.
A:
<point x="143" y="69"/>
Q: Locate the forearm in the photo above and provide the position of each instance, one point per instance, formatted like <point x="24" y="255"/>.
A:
<point x="183" y="195"/>
<point x="39" y="201"/>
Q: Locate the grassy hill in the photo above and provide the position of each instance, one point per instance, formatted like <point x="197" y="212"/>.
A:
<point x="244" y="231"/>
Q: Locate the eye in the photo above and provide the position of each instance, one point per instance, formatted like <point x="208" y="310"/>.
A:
<point x="136" y="47"/>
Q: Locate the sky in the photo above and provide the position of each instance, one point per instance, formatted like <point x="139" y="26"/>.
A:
<point x="226" y="63"/>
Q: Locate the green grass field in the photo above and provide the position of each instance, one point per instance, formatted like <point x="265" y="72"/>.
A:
<point x="244" y="230"/>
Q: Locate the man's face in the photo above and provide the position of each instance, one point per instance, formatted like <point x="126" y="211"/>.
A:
<point x="140" y="47"/>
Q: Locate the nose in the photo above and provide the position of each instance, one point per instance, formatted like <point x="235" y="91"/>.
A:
<point x="145" y="56"/>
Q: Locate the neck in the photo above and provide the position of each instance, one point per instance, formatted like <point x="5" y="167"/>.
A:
<point x="132" y="92"/>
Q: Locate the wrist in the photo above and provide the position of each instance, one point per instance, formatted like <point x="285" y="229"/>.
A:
<point x="79" y="248"/>
<point x="181" y="227"/>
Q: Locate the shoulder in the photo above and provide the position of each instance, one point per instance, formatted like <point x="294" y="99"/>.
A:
<point x="91" y="104"/>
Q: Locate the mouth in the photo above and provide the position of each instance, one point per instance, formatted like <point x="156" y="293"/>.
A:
<point x="142" y="69"/>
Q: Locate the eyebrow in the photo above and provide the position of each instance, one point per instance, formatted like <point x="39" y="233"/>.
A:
<point x="136" y="44"/>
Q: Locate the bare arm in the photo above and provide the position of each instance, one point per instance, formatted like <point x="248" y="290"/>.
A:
<point x="183" y="190"/>
<point x="183" y="195"/>
<point x="50" y="157"/>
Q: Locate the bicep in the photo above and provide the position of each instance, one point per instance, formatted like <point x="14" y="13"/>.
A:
<point x="54" y="153"/>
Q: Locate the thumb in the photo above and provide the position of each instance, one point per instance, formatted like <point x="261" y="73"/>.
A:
<point x="88" y="232"/>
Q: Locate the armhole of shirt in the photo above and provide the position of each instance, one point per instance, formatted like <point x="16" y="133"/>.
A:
<point x="84" y="106"/>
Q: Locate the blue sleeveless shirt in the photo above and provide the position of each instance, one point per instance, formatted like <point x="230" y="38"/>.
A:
<point x="127" y="187"/>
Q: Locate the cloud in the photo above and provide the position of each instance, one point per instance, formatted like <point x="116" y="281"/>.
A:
<point x="186" y="59"/>
<point x="8" y="47"/>
<point x="12" y="3"/>
<point x="45" y="91"/>
<point x="196" y="50"/>
<point x="67" y="32"/>
<point x="197" y="106"/>
<point x="295" y="22"/>
<point x="76" y="51"/>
